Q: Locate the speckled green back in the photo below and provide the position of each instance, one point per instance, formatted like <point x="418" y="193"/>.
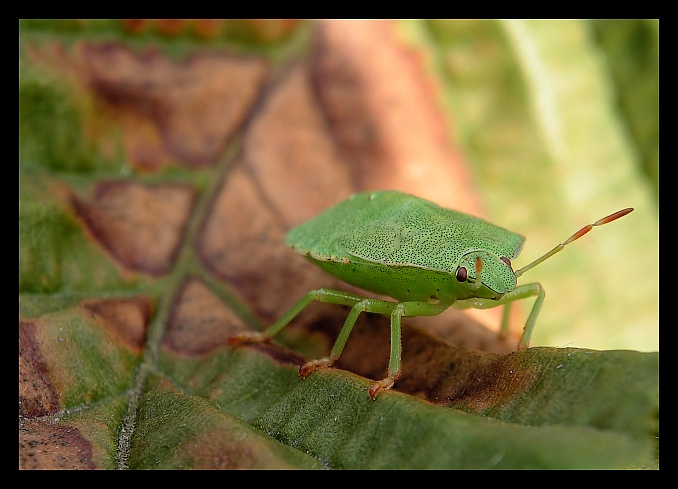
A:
<point x="400" y="230"/>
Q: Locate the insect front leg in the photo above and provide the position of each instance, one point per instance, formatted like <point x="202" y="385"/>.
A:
<point x="521" y="292"/>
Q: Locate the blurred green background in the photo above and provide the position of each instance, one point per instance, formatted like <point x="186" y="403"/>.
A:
<point x="559" y="120"/>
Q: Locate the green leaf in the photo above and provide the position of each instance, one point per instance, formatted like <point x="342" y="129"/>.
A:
<point x="534" y="412"/>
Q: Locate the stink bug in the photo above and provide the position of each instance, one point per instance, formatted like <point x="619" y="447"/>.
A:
<point x="426" y="257"/>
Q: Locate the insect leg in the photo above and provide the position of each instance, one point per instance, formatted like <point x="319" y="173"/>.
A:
<point x="523" y="292"/>
<point x="321" y="295"/>
<point x="505" y="321"/>
<point x="519" y="293"/>
<point x="364" y="305"/>
<point x="412" y="308"/>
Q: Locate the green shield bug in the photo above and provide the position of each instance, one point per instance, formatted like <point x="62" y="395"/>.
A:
<point x="426" y="257"/>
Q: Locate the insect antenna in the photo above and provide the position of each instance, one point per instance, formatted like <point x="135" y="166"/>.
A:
<point x="574" y="237"/>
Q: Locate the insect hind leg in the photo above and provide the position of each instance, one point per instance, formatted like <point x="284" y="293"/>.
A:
<point x="359" y="304"/>
<point x="321" y="295"/>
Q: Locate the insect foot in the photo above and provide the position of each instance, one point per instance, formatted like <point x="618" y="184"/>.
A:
<point x="383" y="384"/>
<point x="308" y="368"/>
<point x="249" y="337"/>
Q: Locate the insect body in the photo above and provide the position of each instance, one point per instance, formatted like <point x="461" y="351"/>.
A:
<point x="426" y="257"/>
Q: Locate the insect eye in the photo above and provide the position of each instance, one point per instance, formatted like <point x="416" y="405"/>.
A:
<point x="506" y="260"/>
<point x="462" y="274"/>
